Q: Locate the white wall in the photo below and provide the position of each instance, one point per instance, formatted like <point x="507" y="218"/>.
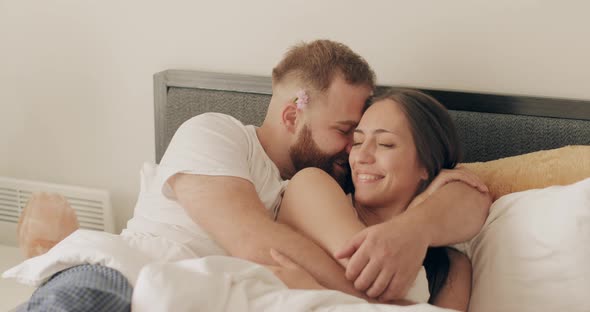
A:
<point x="76" y="99"/>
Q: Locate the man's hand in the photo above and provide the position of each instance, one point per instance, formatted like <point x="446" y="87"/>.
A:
<point x="293" y="275"/>
<point x="459" y="174"/>
<point x="385" y="258"/>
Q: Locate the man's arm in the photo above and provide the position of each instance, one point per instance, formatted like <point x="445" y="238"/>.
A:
<point x="229" y="209"/>
<point x="454" y="213"/>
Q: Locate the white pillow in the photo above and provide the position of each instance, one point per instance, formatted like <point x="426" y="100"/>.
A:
<point x="533" y="253"/>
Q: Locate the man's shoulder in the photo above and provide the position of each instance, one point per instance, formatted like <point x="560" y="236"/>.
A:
<point x="215" y="118"/>
<point x="216" y="131"/>
<point x="214" y="123"/>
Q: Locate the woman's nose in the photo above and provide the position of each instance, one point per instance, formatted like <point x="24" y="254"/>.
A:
<point x="365" y="154"/>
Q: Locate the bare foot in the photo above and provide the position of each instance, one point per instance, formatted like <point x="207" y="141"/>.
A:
<point x="45" y="221"/>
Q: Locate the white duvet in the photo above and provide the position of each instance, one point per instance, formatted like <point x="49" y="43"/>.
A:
<point x="169" y="277"/>
<point x="218" y="283"/>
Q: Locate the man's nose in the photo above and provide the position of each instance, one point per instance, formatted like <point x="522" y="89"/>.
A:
<point x="348" y="147"/>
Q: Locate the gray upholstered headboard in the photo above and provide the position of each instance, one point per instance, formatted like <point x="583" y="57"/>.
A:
<point x="491" y="126"/>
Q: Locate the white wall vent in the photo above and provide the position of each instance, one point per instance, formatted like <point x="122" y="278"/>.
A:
<point x="92" y="206"/>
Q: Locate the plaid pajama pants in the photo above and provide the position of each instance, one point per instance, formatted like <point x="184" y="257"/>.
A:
<point x="85" y="287"/>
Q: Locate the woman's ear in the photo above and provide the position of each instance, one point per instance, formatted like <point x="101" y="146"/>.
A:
<point x="289" y="116"/>
<point x="423" y="174"/>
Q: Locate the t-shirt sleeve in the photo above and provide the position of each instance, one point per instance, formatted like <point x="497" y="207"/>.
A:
<point x="208" y="144"/>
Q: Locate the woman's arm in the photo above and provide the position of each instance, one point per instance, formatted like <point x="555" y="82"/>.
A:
<point x="457" y="288"/>
<point x="315" y="205"/>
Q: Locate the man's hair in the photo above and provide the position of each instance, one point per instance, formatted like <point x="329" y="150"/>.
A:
<point x="316" y="63"/>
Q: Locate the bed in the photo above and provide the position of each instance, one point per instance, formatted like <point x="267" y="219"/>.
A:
<point x="491" y="126"/>
<point x="531" y="255"/>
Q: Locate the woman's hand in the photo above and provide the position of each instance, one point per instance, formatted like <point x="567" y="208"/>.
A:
<point x="459" y="174"/>
<point x="293" y="275"/>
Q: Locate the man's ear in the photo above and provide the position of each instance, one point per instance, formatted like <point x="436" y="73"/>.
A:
<point x="289" y="116"/>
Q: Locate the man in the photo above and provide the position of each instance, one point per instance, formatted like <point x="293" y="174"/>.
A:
<point x="223" y="181"/>
<point x="233" y="191"/>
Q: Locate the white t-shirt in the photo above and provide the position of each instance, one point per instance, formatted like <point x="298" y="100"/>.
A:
<point x="208" y="144"/>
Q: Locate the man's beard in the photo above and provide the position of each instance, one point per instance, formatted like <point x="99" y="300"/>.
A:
<point x="306" y="153"/>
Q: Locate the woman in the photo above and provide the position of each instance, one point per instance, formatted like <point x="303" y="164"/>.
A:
<point x="404" y="139"/>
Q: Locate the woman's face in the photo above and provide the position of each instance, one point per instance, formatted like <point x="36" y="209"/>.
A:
<point x="385" y="166"/>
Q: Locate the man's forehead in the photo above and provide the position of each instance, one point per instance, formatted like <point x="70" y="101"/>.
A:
<point x="336" y="120"/>
<point x="342" y="116"/>
<point x="352" y="123"/>
<point x="344" y="103"/>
